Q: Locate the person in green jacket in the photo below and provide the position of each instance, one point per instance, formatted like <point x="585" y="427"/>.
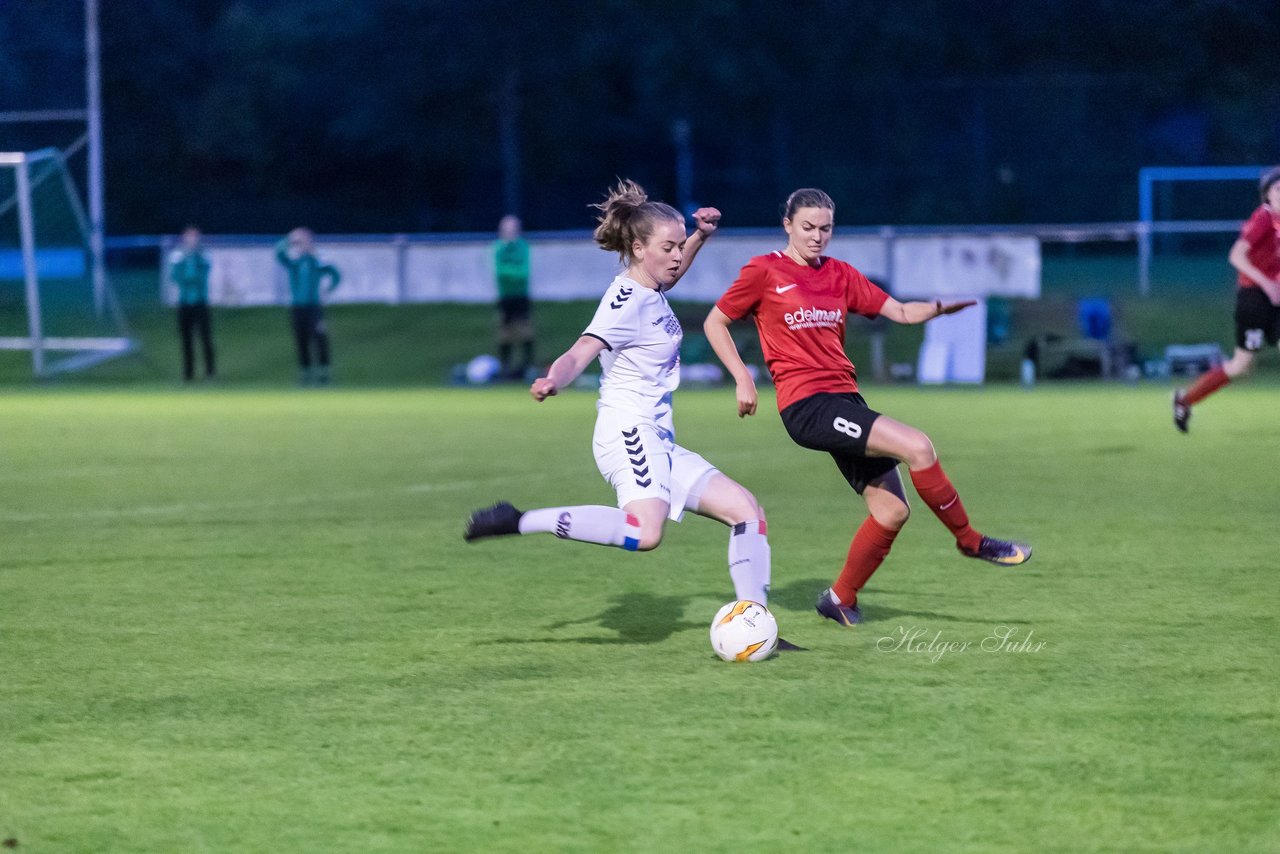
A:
<point x="515" y="328"/>
<point x="189" y="270"/>
<point x="307" y="276"/>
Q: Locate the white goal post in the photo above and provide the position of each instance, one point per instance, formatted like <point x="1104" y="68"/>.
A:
<point x="45" y="237"/>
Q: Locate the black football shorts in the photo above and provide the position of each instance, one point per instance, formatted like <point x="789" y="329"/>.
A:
<point x="838" y="423"/>
<point x="1257" y="320"/>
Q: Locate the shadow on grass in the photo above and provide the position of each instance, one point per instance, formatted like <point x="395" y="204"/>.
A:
<point x="636" y="618"/>
<point x="799" y="595"/>
<point x="647" y="618"/>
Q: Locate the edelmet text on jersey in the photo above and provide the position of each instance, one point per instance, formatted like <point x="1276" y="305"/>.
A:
<point x="813" y="317"/>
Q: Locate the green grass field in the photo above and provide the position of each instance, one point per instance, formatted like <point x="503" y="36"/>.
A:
<point x="245" y="620"/>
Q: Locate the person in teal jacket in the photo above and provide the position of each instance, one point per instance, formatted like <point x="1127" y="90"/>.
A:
<point x="515" y="327"/>
<point x="307" y="275"/>
<point x="189" y="270"/>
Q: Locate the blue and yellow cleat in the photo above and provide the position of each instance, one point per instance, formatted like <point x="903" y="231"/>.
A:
<point x="1001" y="552"/>
<point x="832" y="610"/>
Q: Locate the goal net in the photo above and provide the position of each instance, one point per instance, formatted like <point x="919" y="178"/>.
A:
<point x="48" y="305"/>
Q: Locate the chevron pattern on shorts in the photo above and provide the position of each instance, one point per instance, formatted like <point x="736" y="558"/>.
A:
<point x="636" y="456"/>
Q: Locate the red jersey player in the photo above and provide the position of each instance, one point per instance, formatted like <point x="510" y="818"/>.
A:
<point x="799" y="299"/>
<point x="1256" y="257"/>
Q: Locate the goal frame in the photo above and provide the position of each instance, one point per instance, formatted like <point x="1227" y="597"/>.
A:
<point x="78" y="352"/>
<point x="1148" y="177"/>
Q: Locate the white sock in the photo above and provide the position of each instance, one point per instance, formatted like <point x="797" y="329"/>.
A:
<point x="749" y="561"/>
<point x="588" y="523"/>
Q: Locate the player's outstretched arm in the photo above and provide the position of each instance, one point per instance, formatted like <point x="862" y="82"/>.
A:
<point x="920" y="312"/>
<point x="716" y="328"/>
<point x="567" y="368"/>
<point x="707" y="221"/>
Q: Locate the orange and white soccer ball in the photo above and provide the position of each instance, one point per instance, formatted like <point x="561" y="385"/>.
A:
<point x="744" y="631"/>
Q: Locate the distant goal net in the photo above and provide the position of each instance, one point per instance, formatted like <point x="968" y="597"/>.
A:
<point x="48" y="305"/>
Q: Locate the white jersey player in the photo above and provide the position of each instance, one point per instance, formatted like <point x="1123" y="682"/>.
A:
<point x="637" y="338"/>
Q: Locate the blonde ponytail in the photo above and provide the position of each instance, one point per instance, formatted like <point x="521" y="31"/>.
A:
<point x="627" y="215"/>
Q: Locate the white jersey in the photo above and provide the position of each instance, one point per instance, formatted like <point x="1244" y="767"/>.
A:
<point x="634" y="440"/>
<point x="641" y="359"/>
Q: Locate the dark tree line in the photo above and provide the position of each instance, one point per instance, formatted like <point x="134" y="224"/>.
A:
<point x="390" y="115"/>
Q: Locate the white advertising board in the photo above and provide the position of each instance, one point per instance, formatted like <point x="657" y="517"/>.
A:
<point x="928" y="267"/>
<point x="568" y="268"/>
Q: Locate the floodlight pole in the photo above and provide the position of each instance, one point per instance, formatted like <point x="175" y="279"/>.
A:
<point x="96" y="218"/>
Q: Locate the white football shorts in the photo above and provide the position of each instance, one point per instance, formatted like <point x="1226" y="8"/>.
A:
<point x="641" y="460"/>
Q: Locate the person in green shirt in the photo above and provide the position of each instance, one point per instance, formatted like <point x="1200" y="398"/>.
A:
<point x="515" y="328"/>
<point x="307" y="275"/>
<point x="189" y="270"/>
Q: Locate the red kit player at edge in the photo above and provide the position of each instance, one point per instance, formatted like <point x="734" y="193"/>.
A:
<point x="1256" y="257"/>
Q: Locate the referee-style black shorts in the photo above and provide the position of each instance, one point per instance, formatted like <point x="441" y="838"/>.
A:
<point x="838" y="424"/>
<point x="1257" y="320"/>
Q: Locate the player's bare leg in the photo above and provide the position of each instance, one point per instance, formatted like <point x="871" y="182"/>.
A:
<point x="1240" y="365"/>
<point x="652" y="514"/>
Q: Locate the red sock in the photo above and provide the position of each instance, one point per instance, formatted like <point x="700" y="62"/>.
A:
<point x="936" y="491"/>
<point x="866" y="553"/>
<point x="1207" y="383"/>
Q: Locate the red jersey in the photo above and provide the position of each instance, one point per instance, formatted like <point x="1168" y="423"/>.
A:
<point x="1262" y="232"/>
<point x="800" y="313"/>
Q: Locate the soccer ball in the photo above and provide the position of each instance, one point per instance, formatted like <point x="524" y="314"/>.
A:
<point x="744" y="631"/>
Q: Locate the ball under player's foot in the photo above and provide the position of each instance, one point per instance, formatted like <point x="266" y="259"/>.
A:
<point x="1181" y="411"/>
<point x="1002" y="552"/>
<point x="831" y="608"/>
<point x="497" y="521"/>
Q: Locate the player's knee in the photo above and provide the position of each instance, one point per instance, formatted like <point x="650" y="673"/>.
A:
<point x="649" y="540"/>
<point x="734" y="505"/>
<point x="918" y="451"/>
<point x="650" y="534"/>
<point x="1240" y="365"/>
<point x="893" y="516"/>
<point x="747" y="509"/>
